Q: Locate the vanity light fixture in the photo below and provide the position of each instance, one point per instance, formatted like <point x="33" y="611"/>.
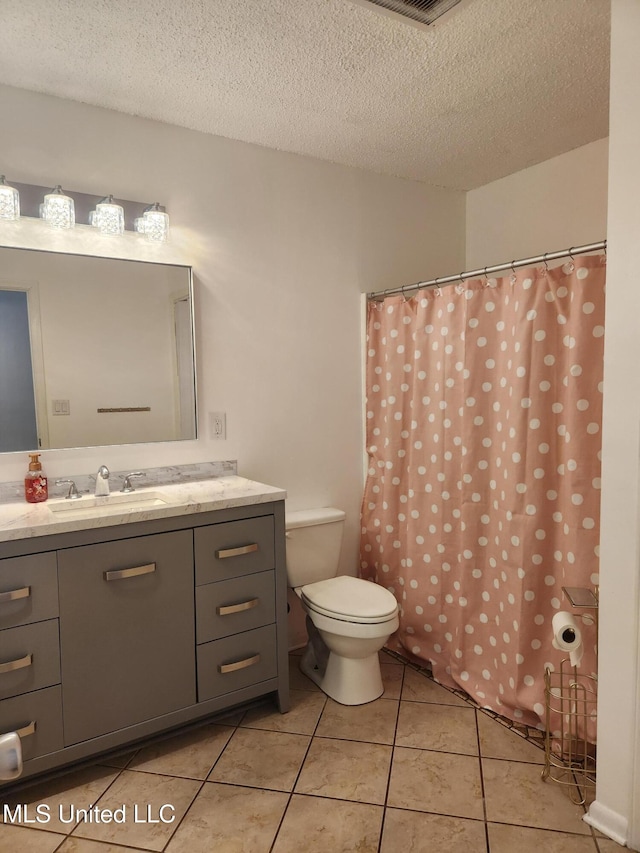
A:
<point x="9" y="201"/>
<point x="108" y="217"/>
<point x="63" y="209"/>
<point x="58" y="209"/>
<point x="154" y="224"/>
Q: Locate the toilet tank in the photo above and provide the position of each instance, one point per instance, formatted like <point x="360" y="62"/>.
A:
<point x="314" y="537"/>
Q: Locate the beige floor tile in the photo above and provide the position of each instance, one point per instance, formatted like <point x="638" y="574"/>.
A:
<point x="445" y="728"/>
<point x="507" y="839"/>
<point x="497" y="741"/>
<point x="420" y="688"/>
<point x="261" y="759"/>
<point x="63" y="796"/>
<point x="415" y="832"/>
<point x="230" y="819"/>
<point x="391" y="679"/>
<point x="17" y="838"/>
<point x="301" y="719"/>
<point x="437" y="782"/>
<point x="346" y="770"/>
<point x="316" y="825"/>
<point x="141" y="796"/>
<point x="83" y="845"/>
<point x="515" y="793"/>
<point x="190" y="754"/>
<point x="374" y="722"/>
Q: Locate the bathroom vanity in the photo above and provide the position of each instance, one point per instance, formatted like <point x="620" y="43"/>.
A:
<point x="119" y="622"/>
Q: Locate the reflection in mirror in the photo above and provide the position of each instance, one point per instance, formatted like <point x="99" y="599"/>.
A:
<point x="94" y="351"/>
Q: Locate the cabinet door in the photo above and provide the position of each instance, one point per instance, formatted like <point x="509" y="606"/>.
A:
<point x="126" y="632"/>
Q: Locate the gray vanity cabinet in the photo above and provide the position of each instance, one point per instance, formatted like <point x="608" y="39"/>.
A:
<point x="126" y="632"/>
<point x="112" y="634"/>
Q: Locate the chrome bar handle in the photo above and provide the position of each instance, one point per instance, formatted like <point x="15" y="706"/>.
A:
<point x="25" y="731"/>
<point x="15" y="594"/>
<point x="228" y="609"/>
<point x="18" y="663"/>
<point x="236" y="552"/>
<point x="240" y="664"/>
<point x="135" y="571"/>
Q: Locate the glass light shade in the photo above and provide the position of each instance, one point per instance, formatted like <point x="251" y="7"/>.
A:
<point x="58" y="209"/>
<point x="155" y="224"/>
<point x="138" y="225"/>
<point x="9" y="201"/>
<point x="109" y="217"/>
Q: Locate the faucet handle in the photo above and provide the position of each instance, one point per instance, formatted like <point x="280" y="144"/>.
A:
<point x="126" y="485"/>
<point x="73" y="490"/>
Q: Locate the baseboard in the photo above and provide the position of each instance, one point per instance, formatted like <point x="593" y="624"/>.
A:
<point x="608" y="822"/>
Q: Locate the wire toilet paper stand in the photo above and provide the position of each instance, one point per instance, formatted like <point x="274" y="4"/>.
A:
<point x="571" y="699"/>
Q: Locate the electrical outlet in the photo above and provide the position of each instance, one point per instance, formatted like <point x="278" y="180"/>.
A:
<point x="217" y="425"/>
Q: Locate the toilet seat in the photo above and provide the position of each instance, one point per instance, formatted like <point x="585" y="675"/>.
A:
<point x="350" y="599"/>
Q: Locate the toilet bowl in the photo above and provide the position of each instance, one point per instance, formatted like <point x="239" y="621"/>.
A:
<point x="348" y="619"/>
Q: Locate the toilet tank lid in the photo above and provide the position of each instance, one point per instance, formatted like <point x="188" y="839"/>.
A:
<point x="311" y="517"/>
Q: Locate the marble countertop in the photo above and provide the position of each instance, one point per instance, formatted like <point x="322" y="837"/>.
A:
<point x="21" y="520"/>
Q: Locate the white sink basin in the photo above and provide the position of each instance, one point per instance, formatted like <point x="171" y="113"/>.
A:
<point x="109" y="505"/>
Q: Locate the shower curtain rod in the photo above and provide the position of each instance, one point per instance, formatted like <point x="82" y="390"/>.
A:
<point x="379" y="295"/>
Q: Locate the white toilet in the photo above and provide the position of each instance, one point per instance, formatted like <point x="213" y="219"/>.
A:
<point x="348" y="619"/>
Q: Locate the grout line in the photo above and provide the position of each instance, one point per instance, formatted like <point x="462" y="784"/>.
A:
<point x="393" y="750"/>
<point x="482" y="789"/>
<point x="302" y="763"/>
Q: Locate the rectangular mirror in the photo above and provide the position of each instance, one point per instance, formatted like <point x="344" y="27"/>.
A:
<point x="94" y="351"/>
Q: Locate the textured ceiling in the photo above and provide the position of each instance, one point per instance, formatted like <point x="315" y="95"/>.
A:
<point x="495" y="87"/>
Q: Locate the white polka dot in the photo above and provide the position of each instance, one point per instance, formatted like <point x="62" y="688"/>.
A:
<point x="588" y="308"/>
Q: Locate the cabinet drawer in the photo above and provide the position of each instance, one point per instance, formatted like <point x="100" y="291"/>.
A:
<point x="28" y="589"/>
<point x="37" y="717"/>
<point x="29" y="658"/>
<point x="234" y="548"/>
<point x="235" y="605"/>
<point x="236" y="662"/>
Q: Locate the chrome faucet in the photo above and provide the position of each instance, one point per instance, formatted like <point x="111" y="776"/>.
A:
<point x="126" y="485"/>
<point x="72" y="494"/>
<point x="102" y="481"/>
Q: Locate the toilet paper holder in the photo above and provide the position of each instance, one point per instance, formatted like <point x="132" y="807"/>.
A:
<point x="571" y="703"/>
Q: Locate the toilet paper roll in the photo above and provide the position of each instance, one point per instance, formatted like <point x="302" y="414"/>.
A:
<point x="567" y="636"/>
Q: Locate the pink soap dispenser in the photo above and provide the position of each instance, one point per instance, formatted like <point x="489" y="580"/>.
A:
<point x="36" y="488"/>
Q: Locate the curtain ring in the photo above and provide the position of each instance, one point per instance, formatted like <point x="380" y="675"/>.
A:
<point x="486" y="279"/>
<point x="544" y="259"/>
<point x="571" y="253"/>
<point x="513" y="277"/>
<point x="436" y="288"/>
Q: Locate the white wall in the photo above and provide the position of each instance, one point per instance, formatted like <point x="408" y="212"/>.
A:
<point x="617" y="807"/>
<point x="281" y="247"/>
<point x="554" y="205"/>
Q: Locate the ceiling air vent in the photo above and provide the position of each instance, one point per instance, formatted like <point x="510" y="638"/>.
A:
<point x="420" y="12"/>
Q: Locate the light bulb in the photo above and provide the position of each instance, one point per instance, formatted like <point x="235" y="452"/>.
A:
<point x="9" y="201"/>
<point x="58" y="209"/>
<point x="155" y="224"/>
<point x="108" y="217"/>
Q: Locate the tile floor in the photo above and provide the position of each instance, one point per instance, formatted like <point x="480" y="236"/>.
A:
<point x="420" y="769"/>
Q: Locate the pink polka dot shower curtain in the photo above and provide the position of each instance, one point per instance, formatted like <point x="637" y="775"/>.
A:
<point x="484" y="409"/>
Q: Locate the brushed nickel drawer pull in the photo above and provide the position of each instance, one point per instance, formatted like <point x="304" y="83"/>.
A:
<point x="119" y="574"/>
<point x="15" y="594"/>
<point x="29" y="729"/>
<point x="228" y="609"/>
<point x="240" y="664"/>
<point x="236" y="552"/>
<point x="19" y="663"/>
